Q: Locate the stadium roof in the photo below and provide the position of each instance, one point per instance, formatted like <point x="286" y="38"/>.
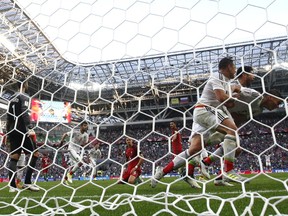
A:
<point x="26" y="50"/>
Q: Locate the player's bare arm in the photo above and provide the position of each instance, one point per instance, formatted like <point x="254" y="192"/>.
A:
<point x="140" y="162"/>
<point x="236" y="88"/>
<point x="223" y="97"/>
<point x="63" y="139"/>
<point x="174" y="136"/>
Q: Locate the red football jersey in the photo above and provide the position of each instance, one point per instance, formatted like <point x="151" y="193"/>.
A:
<point x="177" y="143"/>
<point x="45" y="161"/>
<point x="131" y="156"/>
<point x="34" y="138"/>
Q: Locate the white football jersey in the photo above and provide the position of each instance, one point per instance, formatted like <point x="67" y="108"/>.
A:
<point x="216" y="81"/>
<point x="249" y="96"/>
<point x="77" y="139"/>
<point x="95" y="154"/>
<point x="267" y="158"/>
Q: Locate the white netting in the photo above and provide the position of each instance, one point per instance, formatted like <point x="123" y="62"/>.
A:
<point x="128" y="68"/>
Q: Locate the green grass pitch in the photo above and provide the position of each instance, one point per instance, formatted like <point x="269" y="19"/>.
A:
<point x="265" y="194"/>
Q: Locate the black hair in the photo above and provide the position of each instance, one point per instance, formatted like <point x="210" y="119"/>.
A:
<point x="224" y="62"/>
<point x="84" y="122"/>
<point x="248" y="69"/>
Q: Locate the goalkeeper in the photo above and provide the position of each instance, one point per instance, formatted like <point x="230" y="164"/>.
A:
<point x="20" y="135"/>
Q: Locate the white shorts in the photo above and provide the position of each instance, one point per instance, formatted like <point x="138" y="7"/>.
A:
<point x="93" y="162"/>
<point x="75" y="157"/>
<point x="268" y="163"/>
<point x="198" y="129"/>
<point x="206" y="120"/>
<point x="21" y="161"/>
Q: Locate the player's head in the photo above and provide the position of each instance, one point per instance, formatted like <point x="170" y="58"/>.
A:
<point x="227" y="67"/>
<point x="52" y="111"/>
<point x="245" y="75"/>
<point x="97" y="145"/>
<point x="129" y="141"/>
<point x="84" y="126"/>
<point x="173" y="125"/>
<point x="272" y="99"/>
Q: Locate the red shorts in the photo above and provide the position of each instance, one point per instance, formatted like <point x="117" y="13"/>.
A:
<point x="127" y="173"/>
<point x="45" y="170"/>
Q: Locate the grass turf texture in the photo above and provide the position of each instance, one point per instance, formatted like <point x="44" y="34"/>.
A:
<point x="268" y="192"/>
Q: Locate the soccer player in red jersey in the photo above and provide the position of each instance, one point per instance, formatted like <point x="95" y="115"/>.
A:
<point x="176" y="139"/>
<point x="133" y="170"/>
<point x="45" y="163"/>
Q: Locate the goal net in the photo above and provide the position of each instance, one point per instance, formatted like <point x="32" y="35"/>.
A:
<point x="128" y="69"/>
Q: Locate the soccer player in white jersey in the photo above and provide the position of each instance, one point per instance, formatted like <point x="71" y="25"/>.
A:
<point x="210" y="114"/>
<point x="241" y="113"/>
<point x="95" y="155"/>
<point x="245" y="77"/>
<point x="78" y="139"/>
<point x="268" y="161"/>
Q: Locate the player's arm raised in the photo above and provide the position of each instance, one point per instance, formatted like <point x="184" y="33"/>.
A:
<point x="63" y="139"/>
<point x="235" y="88"/>
<point x="221" y="96"/>
<point x="220" y="92"/>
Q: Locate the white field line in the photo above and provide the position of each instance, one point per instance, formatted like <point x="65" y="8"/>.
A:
<point x="151" y="195"/>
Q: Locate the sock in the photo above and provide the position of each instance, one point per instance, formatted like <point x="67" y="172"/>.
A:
<point x="229" y="146"/>
<point x="207" y="161"/>
<point x="12" y="174"/>
<point x="177" y="162"/>
<point x="191" y="169"/>
<point x="204" y="153"/>
<point x="20" y="173"/>
<point x="76" y="166"/>
<point x="219" y="175"/>
<point x="219" y="151"/>
<point x="215" y="138"/>
<point x="228" y="165"/>
<point x="168" y="168"/>
<point x="94" y="172"/>
<point x="30" y="169"/>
